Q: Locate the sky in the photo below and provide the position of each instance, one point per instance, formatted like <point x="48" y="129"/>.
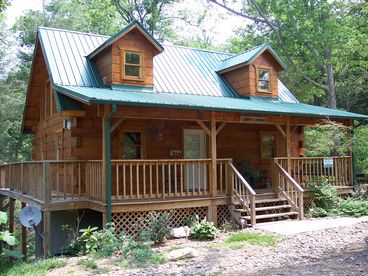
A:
<point x="219" y="25"/>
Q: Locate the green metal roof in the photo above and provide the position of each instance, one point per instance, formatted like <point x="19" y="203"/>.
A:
<point x="185" y="101"/>
<point x="248" y="57"/>
<point x="122" y="32"/>
<point x="176" y="70"/>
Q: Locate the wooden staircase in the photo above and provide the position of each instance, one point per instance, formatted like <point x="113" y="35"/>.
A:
<point x="266" y="210"/>
<point x="249" y="208"/>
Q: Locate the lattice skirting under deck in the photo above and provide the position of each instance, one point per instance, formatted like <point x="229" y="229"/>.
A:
<point x="129" y="221"/>
<point x="223" y="215"/>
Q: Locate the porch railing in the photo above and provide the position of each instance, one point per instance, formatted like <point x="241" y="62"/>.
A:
<point x="48" y="181"/>
<point x="335" y="170"/>
<point x="290" y="189"/>
<point x="244" y="193"/>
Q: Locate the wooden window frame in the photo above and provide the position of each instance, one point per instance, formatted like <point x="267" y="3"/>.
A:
<point x="269" y="91"/>
<point x="123" y="53"/>
<point x="122" y="145"/>
<point x="261" y="135"/>
<point x="59" y="154"/>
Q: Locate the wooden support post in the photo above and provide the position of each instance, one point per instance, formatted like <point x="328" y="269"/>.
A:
<point x="47" y="233"/>
<point x="218" y="130"/>
<point x="104" y="219"/>
<point x="46" y="182"/>
<point x="213" y="155"/>
<point x="253" y="210"/>
<point x="288" y="145"/>
<point x="11" y="222"/>
<point x="24" y="239"/>
<point x="281" y="130"/>
<point x="212" y="214"/>
<point x="204" y="127"/>
<point x="104" y="161"/>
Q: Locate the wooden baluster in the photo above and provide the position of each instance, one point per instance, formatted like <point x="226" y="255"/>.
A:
<point x="199" y="177"/>
<point x="221" y="181"/>
<point x="124" y="181"/>
<point x="79" y="180"/>
<point x="137" y="180"/>
<point x="150" y="178"/>
<point x="157" y="180"/>
<point x="64" y="179"/>
<point x="72" y="180"/>
<point x="181" y="179"/>
<point x="131" y="179"/>
<point x="117" y="180"/>
<point x="193" y="184"/>
<point x="169" y="177"/>
<point x="205" y="164"/>
<point x="144" y="180"/>
<point x="175" y="180"/>
<point x="187" y="178"/>
<point x="163" y="181"/>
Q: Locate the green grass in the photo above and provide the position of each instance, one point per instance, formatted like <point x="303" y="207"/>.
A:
<point x="239" y="240"/>
<point x="87" y="263"/>
<point x="39" y="267"/>
<point x="176" y="247"/>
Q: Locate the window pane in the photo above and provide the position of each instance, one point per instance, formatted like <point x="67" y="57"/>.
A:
<point x="132" y="138"/>
<point x="131" y="70"/>
<point x="131" y="145"/>
<point x="263" y="85"/>
<point x="263" y="74"/>
<point x="132" y="58"/>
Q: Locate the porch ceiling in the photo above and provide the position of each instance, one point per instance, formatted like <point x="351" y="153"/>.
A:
<point x="91" y="95"/>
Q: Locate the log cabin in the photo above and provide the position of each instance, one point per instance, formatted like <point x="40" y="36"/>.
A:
<point x="124" y="126"/>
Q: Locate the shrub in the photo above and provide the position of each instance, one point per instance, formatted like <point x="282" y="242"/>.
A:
<point x="158" y="227"/>
<point x="8" y="238"/>
<point x="325" y="196"/>
<point x="353" y="207"/>
<point x="319" y="212"/>
<point x="189" y="221"/>
<point x="203" y="230"/>
<point x="137" y="254"/>
<point x="230" y="225"/>
<point x="102" y="243"/>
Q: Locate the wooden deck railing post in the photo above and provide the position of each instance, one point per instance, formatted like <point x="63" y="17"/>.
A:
<point x="46" y="182"/>
<point x="213" y="155"/>
<point x="253" y="210"/>
<point x="300" y="206"/>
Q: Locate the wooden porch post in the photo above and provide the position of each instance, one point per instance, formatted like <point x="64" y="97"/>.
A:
<point x="46" y="228"/>
<point x="24" y="239"/>
<point x="213" y="156"/>
<point x="11" y="222"/>
<point x="288" y="145"/>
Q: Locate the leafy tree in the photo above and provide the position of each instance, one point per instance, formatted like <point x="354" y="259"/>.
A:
<point x="308" y="34"/>
<point x="154" y="15"/>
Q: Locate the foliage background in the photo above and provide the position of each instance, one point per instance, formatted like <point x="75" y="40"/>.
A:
<point x="323" y="42"/>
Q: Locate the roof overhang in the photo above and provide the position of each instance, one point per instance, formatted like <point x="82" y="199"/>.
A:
<point x="126" y="97"/>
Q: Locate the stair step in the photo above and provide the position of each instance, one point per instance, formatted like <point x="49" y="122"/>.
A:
<point x="272" y="207"/>
<point x="271" y="215"/>
<point x="270" y="200"/>
<point x="266" y="208"/>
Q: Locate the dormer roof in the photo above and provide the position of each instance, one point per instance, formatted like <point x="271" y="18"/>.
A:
<point x="248" y="57"/>
<point x="123" y="32"/>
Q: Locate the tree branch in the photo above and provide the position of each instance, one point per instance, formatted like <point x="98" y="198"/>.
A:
<point x="322" y="86"/>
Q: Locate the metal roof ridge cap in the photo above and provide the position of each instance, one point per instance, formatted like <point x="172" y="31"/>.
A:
<point x="199" y="49"/>
<point x="251" y="49"/>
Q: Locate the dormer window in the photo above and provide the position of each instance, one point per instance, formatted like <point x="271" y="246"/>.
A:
<point x="263" y="79"/>
<point x="132" y="65"/>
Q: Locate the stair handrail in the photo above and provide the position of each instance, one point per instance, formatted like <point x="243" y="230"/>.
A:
<point x="245" y="193"/>
<point x="288" y="191"/>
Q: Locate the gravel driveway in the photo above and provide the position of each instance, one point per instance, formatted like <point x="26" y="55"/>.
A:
<point x="335" y="251"/>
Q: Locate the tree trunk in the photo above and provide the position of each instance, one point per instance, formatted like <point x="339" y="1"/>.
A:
<point x="331" y="92"/>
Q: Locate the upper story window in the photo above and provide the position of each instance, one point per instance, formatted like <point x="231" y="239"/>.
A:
<point x="132" y="65"/>
<point x="263" y="77"/>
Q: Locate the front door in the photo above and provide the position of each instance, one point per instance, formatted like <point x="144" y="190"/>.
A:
<point x="194" y="148"/>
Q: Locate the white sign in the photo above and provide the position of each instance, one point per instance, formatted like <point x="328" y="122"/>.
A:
<point x="328" y="163"/>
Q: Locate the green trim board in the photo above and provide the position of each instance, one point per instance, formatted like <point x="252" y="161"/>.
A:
<point x="248" y="57"/>
<point x="127" y="97"/>
<point x="121" y="33"/>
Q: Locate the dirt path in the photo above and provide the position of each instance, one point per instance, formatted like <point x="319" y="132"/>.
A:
<point x="336" y="251"/>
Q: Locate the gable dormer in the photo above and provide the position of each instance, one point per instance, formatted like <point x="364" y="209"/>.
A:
<point x="126" y="58"/>
<point x="253" y="73"/>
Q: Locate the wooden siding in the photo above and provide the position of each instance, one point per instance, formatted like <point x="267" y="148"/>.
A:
<point x="103" y="63"/>
<point x="244" y="79"/>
